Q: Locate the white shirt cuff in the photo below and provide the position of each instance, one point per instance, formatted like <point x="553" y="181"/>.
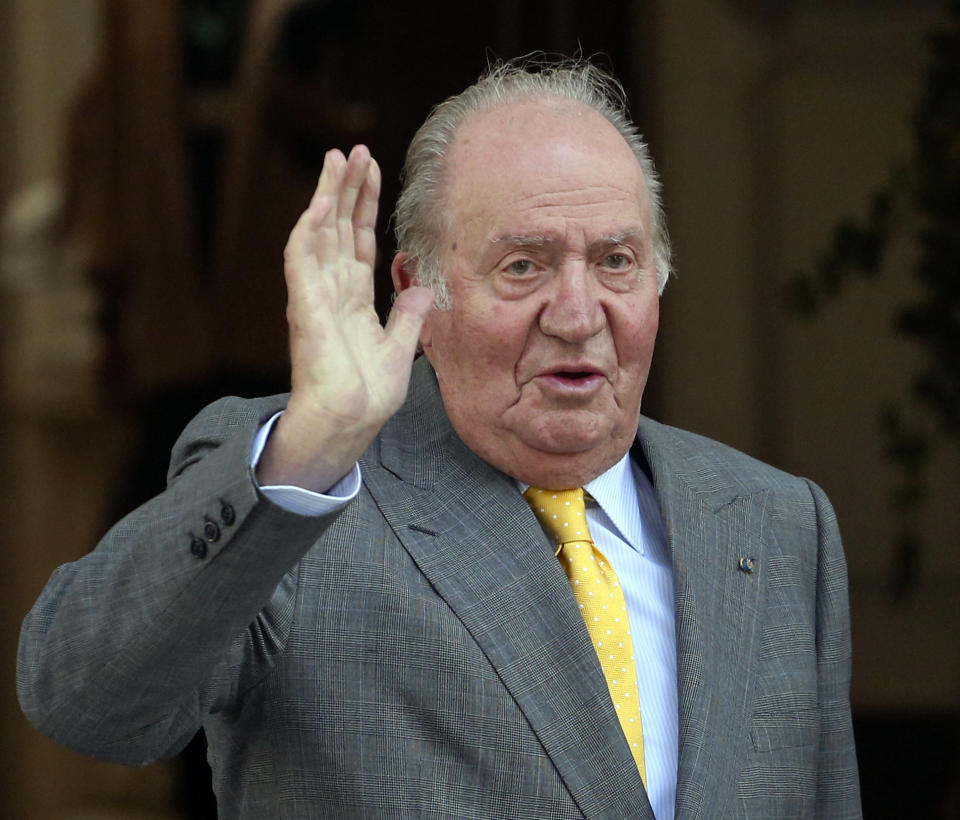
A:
<point x="298" y="499"/>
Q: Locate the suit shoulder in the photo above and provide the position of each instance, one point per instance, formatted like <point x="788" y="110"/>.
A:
<point x="705" y="461"/>
<point x="230" y="414"/>
<point x="718" y="473"/>
<point x="228" y="419"/>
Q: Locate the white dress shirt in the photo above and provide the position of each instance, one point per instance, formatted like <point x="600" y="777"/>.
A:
<point x="626" y="526"/>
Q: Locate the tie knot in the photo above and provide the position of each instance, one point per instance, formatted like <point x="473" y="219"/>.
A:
<point x="561" y="512"/>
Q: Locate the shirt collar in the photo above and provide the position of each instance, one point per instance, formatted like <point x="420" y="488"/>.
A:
<point x="615" y="491"/>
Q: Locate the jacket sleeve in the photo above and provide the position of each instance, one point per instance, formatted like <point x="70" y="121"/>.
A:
<point x="182" y="607"/>
<point x="838" y="786"/>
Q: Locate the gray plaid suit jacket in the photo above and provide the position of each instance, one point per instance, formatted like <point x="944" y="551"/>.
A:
<point x="420" y="654"/>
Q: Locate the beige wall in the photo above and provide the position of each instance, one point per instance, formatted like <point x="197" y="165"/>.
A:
<point x="769" y="130"/>
<point x="58" y="459"/>
<point x="48" y="50"/>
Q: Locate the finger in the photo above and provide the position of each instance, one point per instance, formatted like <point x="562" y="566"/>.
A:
<point x="334" y="164"/>
<point x="300" y="250"/>
<point x="320" y="213"/>
<point x="406" y="319"/>
<point x="324" y="233"/>
<point x="365" y="216"/>
<point x="354" y="178"/>
<point x="324" y="195"/>
<point x="365" y="212"/>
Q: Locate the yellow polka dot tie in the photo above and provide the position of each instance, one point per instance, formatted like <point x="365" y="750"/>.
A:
<point x="604" y="609"/>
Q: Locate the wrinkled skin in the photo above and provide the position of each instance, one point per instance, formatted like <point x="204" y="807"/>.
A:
<point x="543" y="356"/>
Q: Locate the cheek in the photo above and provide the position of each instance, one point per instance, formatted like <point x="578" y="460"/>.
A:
<point x="647" y="334"/>
<point x="472" y="350"/>
<point x="636" y="333"/>
<point x="494" y="336"/>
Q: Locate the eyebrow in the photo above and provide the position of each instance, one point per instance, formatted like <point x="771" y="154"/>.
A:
<point x="629" y="236"/>
<point x="524" y="241"/>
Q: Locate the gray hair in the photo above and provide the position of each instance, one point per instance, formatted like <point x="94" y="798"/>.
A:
<point x="417" y="217"/>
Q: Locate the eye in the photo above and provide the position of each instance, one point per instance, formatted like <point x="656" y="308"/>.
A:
<point x="616" y="261"/>
<point x="520" y="267"/>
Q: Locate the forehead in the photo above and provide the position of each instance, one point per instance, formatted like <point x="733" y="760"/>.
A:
<point x="543" y="161"/>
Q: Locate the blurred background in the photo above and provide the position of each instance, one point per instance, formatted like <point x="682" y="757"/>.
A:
<point x="153" y="157"/>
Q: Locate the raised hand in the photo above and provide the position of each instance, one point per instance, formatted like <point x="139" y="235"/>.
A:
<point x="349" y="374"/>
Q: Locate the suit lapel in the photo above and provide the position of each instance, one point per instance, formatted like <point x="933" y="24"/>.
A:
<point x="479" y="545"/>
<point x="711" y="524"/>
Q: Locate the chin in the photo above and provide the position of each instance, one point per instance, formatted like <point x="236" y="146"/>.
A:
<point x="565" y="444"/>
<point x="566" y="434"/>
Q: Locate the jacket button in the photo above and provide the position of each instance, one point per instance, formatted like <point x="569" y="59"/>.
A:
<point x="746" y="565"/>
<point x="198" y="547"/>
<point x="211" y="531"/>
<point x="227" y="515"/>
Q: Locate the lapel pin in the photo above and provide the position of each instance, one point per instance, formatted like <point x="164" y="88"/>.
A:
<point x="746" y="565"/>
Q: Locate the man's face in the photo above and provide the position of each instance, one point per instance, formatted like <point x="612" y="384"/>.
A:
<point x="543" y="356"/>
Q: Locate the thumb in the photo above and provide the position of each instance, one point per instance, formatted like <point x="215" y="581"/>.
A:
<point x="406" y="319"/>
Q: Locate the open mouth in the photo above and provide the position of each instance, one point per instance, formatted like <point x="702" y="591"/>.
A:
<point x="572" y="382"/>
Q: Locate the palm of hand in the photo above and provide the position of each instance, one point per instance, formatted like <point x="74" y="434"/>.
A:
<point x="349" y="374"/>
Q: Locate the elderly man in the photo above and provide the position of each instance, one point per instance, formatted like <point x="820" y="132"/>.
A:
<point x="478" y="585"/>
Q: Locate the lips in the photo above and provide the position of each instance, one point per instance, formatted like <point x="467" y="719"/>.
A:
<point x="571" y="371"/>
<point x="574" y="374"/>
<point x="571" y="380"/>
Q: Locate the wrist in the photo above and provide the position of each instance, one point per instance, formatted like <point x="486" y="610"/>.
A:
<point x="310" y="453"/>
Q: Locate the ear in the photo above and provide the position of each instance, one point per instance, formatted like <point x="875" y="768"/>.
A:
<point x="403" y="272"/>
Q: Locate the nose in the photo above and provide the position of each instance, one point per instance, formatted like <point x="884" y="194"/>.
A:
<point x="573" y="312"/>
